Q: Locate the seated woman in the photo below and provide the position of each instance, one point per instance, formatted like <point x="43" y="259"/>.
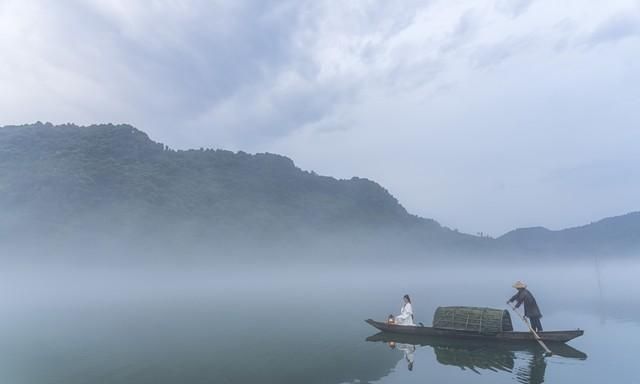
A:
<point x="406" y="312"/>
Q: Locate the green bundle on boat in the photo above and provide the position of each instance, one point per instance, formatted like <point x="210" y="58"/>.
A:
<point x="473" y="319"/>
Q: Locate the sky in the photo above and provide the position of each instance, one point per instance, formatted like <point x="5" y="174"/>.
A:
<point x="484" y="115"/>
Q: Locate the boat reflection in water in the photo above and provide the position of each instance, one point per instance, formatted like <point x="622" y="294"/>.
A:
<point x="478" y="356"/>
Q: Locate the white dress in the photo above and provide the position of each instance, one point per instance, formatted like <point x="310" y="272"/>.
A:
<point x="406" y="315"/>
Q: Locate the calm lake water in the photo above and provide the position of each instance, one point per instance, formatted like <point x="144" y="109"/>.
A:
<point x="304" y="325"/>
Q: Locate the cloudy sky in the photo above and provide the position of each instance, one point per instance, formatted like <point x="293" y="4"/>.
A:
<point x="485" y="115"/>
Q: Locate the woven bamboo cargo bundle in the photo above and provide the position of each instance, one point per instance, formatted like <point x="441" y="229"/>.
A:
<point x="473" y="319"/>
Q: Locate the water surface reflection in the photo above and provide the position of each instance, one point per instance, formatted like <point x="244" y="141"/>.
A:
<point x="525" y="361"/>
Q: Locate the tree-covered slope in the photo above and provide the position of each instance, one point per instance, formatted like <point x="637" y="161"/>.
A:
<point x="76" y="185"/>
<point x="113" y="179"/>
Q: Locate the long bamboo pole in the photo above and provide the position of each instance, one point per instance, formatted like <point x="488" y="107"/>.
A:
<point x="537" y="337"/>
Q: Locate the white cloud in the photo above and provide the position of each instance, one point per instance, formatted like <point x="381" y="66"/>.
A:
<point x="463" y="110"/>
<point x="619" y="27"/>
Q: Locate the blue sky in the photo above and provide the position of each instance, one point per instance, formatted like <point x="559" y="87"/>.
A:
<point x="485" y="115"/>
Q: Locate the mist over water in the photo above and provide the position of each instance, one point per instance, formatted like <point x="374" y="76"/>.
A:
<point x="291" y="323"/>
<point x="224" y="191"/>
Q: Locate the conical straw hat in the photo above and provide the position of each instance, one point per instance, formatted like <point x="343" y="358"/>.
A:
<point x="519" y="284"/>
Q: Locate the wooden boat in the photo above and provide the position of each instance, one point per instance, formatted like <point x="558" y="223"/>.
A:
<point x="546" y="336"/>
<point x="487" y="347"/>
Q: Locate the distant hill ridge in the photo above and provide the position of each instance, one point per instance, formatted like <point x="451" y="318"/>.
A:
<point x="609" y="235"/>
<point x="113" y="181"/>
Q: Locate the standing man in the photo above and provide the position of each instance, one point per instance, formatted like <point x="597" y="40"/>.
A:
<point x="531" y="310"/>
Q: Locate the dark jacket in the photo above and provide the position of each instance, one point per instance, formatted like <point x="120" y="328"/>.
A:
<point x="530" y="306"/>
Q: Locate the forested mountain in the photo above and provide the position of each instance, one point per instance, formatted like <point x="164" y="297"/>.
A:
<point x="113" y="182"/>
<point x="104" y="186"/>
<point x="67" y="171"/>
